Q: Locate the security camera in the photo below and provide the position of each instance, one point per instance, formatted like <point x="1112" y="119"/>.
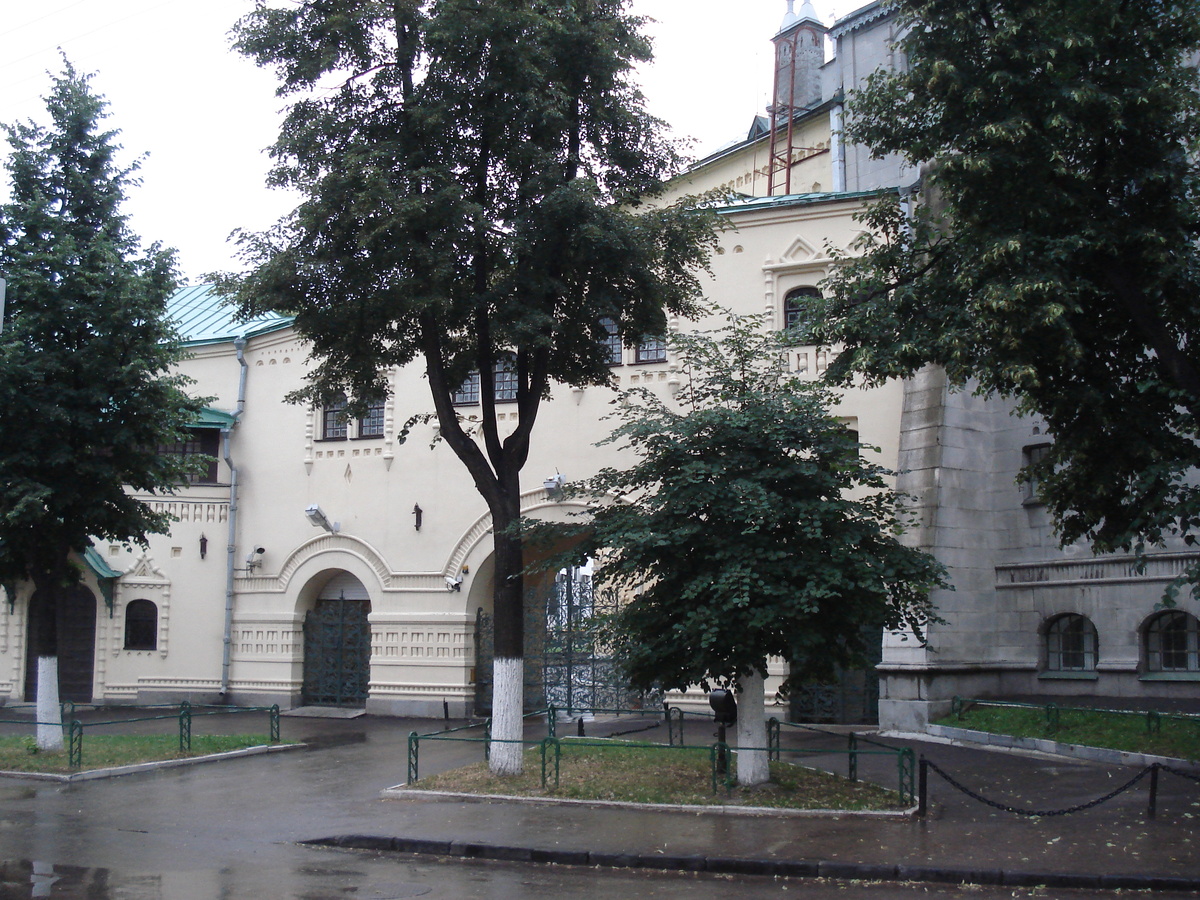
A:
<point x="454" y="584"/>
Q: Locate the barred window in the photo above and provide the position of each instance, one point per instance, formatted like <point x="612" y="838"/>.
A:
<point x="1071" y="644"/>
<point x="199" y="442"/>
<point x="798" y="313"/>
<point x="652" y="349"/>
<point x="1173" y="643"/>
<point x="371" y="425"/>
<point x="141" y="625"/>
<point x="505" y="375"/>
<point x="334" y="426"/>
<point x="611" y="345"/>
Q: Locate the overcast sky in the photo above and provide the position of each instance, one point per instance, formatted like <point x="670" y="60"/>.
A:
<point x="203" y="115"/>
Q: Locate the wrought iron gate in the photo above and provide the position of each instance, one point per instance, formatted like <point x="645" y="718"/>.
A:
<point x="337" y="653"/>
<point x="851" y="699"/>
<point x="566" y="663"/>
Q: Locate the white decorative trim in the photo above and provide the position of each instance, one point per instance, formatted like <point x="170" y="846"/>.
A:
<point x="531" y="501"/>
<point x="1159" y="568"/>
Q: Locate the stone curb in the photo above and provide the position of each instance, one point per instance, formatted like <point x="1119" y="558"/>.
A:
<point x="771" y="867"/>
<point x="965" y="736"/>
<point x="135" y="768"/>
<point x="402" y="792"/>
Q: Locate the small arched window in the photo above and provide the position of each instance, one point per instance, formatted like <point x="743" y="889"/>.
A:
<point x="1173" y="642"/>
<point x="1071" y="644"/>
<point x="141" y="625"/>
<point x="798" y="313"/>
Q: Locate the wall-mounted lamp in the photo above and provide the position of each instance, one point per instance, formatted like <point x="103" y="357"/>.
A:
<point x="454" y="584"/>
<point x="254" y="560"/>
<point x="203" y="546"/>
<point x="318" y="518"/>
<point x="554" y="484"/>
<point x="417" y="512"/>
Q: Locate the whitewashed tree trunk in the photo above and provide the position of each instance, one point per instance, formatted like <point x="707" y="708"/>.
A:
<point x="508" y="682"/>
<point x="49" y="713"/>
<point x="753" y="766"/>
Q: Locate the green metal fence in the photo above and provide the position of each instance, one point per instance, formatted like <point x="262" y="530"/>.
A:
<point x="183" y="715"/>
<point x="720" y="771"/>
<point x="1053" y="712"/>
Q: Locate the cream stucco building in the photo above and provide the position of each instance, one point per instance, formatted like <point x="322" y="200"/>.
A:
<point x="327" y="562"/>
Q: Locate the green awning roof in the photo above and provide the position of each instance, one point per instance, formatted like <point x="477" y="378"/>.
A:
<point x="105" y="575"/>
<point x="214" y="418"/>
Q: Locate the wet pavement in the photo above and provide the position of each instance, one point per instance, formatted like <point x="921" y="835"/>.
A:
<point x="235" y="829"/>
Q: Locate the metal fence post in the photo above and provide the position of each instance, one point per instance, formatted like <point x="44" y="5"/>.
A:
<point x="487" y="739"/>
<point x="413" y="750"/>
<point x="1152" y="810"/>
<point x="773" y="739"/>
<point x="75" y="744"/>
<point x="185" y="727"/>
<point x="922" y="788"/>
<point x="906" y="763"/>
<point x="275" y="724"/>
<point x="852" y="752"/>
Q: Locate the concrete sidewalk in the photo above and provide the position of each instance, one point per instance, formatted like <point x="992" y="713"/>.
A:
<point x="248" y="811"/>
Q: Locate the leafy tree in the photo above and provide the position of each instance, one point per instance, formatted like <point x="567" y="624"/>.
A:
<point x="1053" y="258"/>
<point x="86" y="396"/>
<point x="749" y="527"/>
<point x="471" y="173"/>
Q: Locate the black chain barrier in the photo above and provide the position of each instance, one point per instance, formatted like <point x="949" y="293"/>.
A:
<point x="1191" y="776"/>
<point x="1040" y="813"/>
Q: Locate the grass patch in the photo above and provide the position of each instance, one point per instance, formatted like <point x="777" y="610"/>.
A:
<point x="639" y="773"/>
<point x="103" y="751"/>
<point x="1179" y="739"/>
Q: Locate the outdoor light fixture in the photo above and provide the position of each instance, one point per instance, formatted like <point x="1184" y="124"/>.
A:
<point x="254" y="560"/>
<point x="203" y="546"/>
<point x="417" y="511"/>
<point x="554" y="484"/>
<point x="318" y="518"/>
<point x="725" y="712"/>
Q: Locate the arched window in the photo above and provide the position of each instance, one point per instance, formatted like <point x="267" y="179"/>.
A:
<point x="1173" y="643"/>
<point x="1071" y="644"/>
<point x="141" y="625"/>
<point x="798" y="313"/>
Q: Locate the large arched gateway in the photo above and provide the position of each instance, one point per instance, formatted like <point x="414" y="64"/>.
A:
<point x="337" y="645"/>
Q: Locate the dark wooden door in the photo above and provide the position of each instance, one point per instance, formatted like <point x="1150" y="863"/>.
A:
<point x="76" y="646"/>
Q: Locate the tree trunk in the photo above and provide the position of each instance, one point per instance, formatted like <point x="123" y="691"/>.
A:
<point x="753" y="766"/>
<point x="44" y="615"/>
<point x="49" y="711"/>
<point x="508" y="680"/>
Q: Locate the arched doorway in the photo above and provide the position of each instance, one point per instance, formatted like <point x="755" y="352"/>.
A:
<point x="337" y="645"/>
<point x="76" y="645"/>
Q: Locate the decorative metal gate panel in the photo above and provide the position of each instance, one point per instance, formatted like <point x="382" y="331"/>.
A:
<point x="566" y="664"/>
<point x="337" y="653"/>
<point x="852" y="699"/>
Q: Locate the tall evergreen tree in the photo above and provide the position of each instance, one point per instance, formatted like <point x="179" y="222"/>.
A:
<point x="471" y="173"/>
<point x="86" y="395"/>
<point x="1053" y="255"/>
<point x="750" y="526"/>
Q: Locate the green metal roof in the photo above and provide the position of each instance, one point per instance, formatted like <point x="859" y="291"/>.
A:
<point x="105" y="575"/>
<point x="202" y="316"/>
<point x="214" y="418"/>
<point x="796" y="200"/>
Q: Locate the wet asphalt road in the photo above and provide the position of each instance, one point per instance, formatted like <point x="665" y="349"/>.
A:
<point x="232" y="830"/>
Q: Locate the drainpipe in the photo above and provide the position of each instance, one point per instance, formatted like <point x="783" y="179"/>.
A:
<point x="837" y="140"/>
<point x="239" y="344"/>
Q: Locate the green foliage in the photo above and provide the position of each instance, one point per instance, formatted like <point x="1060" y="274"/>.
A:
<point x="472" y="174"/>
<point x="1052" y="254"/>
<point x="750" y="525"/>
<point x="86" y="396"/>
